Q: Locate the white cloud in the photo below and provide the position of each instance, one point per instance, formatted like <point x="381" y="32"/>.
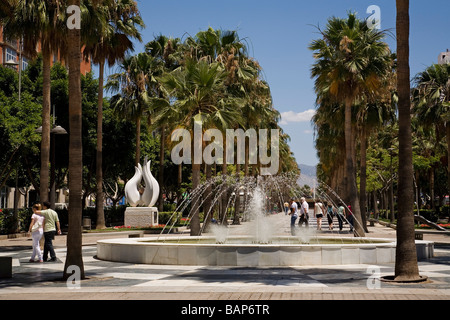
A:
<point x="291" y="116"/>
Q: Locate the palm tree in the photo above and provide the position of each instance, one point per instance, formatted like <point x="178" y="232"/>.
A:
<point x="432" y="102"/>
<point x="74" y="237"/>
<point x="39" y="22"/>
<point x="199" y="95"/>
<point x="135" y="84"/>
<point x="406" y="267"/>
<point x="330" y="145"/>
<point x="168" y="52"/>
<point x="351" y="60"/>
<point x="109" y="29"/>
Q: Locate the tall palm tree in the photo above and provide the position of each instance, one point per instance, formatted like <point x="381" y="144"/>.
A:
<point x="135" y="86"/>
<point x="40" y="22"/>
<point x="330" y="144"/>
<point x="169" y="52"/>
<point x="108" y="32"/>
<point x="406" y="267"/>
<point x="351" y="60"/>
<point x="74" y="237"/>
<point x="432" y="102"/>
<point x="199" y="95"/>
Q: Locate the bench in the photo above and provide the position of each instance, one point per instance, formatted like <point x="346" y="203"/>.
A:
<point x="5" y="267"/>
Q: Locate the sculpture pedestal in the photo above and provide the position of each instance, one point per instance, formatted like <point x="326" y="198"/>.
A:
<point x="141" y="217"/>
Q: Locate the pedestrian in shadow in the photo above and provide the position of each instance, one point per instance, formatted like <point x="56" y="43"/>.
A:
<point x="37" y="231"/>
<point x="51" y="228"/>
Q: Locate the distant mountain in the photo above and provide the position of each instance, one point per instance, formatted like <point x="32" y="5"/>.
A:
<point x="308" y="175"/>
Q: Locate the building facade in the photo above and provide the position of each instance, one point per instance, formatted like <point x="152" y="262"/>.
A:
<point x="444" y="57"/>
<point x="10" y="50"/>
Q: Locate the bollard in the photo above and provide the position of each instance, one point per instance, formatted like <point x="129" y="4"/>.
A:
<point x="5" y="267"/>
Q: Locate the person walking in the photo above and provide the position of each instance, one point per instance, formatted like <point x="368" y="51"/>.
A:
<point x="350" y="218"/>
<point x="304" y="213"/>
<point x="51" y="221"/>
<point x="37" y="231"/>
<point x="294" y="215"/>
<point x="286" y="208"/>
<point x="341" y="216"/>
<point x="330" y="215"/>
<point x="319" y="211"/>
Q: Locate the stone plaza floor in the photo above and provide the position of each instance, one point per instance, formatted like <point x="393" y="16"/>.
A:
<point x="121" y="281"/>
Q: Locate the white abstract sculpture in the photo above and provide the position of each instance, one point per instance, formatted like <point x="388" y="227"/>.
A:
<point x="149" y="197"/>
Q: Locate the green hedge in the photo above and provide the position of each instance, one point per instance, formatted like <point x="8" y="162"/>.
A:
<point x="7" y="220"/>
<point x="113" y="217"/>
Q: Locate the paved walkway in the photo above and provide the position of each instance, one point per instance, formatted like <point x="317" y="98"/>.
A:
<point x="122" y="281"/>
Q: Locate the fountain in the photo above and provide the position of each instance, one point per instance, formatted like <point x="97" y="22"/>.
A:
<point x="259" y="243"/>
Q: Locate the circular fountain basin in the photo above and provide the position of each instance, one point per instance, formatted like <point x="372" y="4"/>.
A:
<point x="282" y="251"/>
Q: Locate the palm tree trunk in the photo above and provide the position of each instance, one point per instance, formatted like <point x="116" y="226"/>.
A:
<point x="161" y="168"/>
<point x="363" y="179"/>
<point x="138" y="142"/>
<point x="45" y="143"/>
<point x="208" y="213"/>
<point x="351" y="178"/>
<point x="433" y="204"/>
<point x="375" y="205"/>
<point x="247" y="152"/>
<point x="74" y="238"/>
<point x="195" y="218"/>
<point x="223" y="214"/>
<point x="179" y="182"/>
<point x="406" y="267"/>
<point x="237" y="202"/>
<point x="99" y="164"/>
<point x="448" y="154"/>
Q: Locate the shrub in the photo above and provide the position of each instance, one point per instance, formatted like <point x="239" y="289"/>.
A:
<point x="7" y="220"/>
<point x="169" y="218"/>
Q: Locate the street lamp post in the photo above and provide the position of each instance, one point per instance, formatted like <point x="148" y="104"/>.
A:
<point x="13" y="63"/>
<point x="57" y="130"/>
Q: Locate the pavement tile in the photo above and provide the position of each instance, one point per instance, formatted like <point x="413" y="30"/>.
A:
<point x="122" y="281"/>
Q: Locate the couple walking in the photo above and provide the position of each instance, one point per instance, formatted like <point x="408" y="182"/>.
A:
<point x="295" y="211"/>
<point x="44" y="223"/>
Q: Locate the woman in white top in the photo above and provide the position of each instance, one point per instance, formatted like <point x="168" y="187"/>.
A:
<point x="37" y="231"/>
<point x="319" y="212"/>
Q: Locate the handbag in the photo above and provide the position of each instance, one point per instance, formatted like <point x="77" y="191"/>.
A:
<point x="36" y="226"/>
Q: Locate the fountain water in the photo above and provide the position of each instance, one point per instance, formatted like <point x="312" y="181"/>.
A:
<point x="261" y="242"/>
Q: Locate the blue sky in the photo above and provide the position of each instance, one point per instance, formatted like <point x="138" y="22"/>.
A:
<point x="278" y="34"/>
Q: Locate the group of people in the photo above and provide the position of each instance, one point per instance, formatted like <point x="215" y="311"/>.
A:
<point x="301" y="210"/>
<point x="44" y="224"/>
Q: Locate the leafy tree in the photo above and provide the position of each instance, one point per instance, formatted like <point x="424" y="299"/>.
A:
<point x="351" y="62"/>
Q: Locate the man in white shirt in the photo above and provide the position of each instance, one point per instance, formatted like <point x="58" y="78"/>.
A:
<point x="304" y="212"/>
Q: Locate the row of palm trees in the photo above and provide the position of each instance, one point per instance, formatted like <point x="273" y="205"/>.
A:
<point x="353" y="75"/>
<point x="362" y="87"/>
<point x="108" y="28"/>
<point x="375" y="127"/>
<point x="207" y="79"/>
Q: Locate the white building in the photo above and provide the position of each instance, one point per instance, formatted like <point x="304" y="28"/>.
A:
<point x="444" y="57"/>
